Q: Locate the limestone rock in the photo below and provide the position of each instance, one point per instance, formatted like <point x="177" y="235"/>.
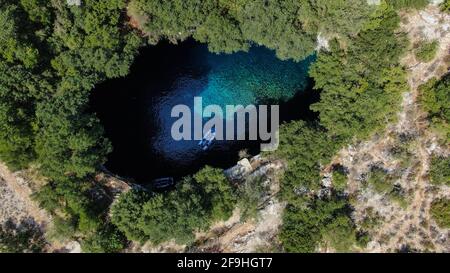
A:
<point x="74" y="2"/>
<point x="238" y="172"/>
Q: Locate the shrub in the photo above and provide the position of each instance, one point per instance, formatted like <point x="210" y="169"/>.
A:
<point x="440" y="211"/>
<point x="126" y="213"/>
<point x="435" y="100"/>
<point x="426" y="51"/>
<point x="161" y="217"/>
<point x="371" y="220"/>
<point x="62" y="229"/>
<point x="339" y="178"/>
<point x="73" y="198"/>
<point x="440" y="170"/>
<point x="398" y="196"/>
<point x="445" y="6"/>
<point x="415" y="4"/>
<point x="362" y="239"/>
<point x="250" y="194"/>
<point x="322" y="221"/>
<point x="340" y="233"/>
<point x="24" y="237"/>
<point x="380" y="180"/>
<point x="218" y="192"/>
<point x="402" y="150"/>
<point x="106" y="240"/>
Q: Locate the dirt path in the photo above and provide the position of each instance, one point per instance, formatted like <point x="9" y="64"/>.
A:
<point x="408" y="226"/>
<point x="429" y="25"/>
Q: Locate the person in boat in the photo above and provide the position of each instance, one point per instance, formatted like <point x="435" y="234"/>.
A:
<point x="208" y="138"/>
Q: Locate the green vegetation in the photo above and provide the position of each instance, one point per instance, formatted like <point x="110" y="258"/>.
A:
<point x="405" y="4"/>
<point x="362" y="239"/>
<point x="361" y="85"/>
<point x="339" y="178"/>
<point x="320" y="221"/>
<point x="381" y="182"/>
<point x="20" y="238"/>
<point x="426" y="51"/>
<point x="161" y="217"/>
<point x="372" y="219"/>
<point x="289" y="27"/>
<point x="73" y="200"/>
<point x="221" y="196"/>
<point x="399" y="196"/>
<point x="106" y="240"/>
<point x="435" y="100"/>
<point x="305" y="148"/>
<point x="384" y="184"/>
<point x="440" y="170"/>
<point x="440" y="211"/>
<point x="308" y="221"/>
<point x="445" y="6"/>
<point x="61" y="230"/>
<point x="192" y="206"/>
<point x="402" y="150"/>
<point x="51" y="56"/>
<point x="250" y="194"/>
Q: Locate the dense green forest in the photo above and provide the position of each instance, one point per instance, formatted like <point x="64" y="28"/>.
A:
<point x="193" y="205"/>
<point x="290" y="27"/>
<point x="52" y="55"/>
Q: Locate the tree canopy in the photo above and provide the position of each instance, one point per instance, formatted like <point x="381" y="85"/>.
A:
<point x="196" y="202"/>
<point x="361" y="85"/>
<point x="52" y="55"/>
<point x="289" y="27"/>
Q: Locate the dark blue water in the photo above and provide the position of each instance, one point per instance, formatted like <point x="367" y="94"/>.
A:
<point x="136" y="110"/>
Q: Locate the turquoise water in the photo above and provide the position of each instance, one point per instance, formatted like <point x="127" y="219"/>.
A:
<point x="256" y="77"/>
<point x="136" y="110"/>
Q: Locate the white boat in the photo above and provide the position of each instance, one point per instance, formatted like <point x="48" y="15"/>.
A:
<point x="208" y="139"/>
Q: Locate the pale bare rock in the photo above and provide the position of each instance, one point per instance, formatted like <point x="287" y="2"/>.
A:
<point x="241" y="170"/>
<point x="237" y="236"/>
<point x="322" y="42"/>
<point x="73" y="2"/>
<point x="11" y="207"/>
<point x="409" y="227"/>
<point x="16" y="202"/>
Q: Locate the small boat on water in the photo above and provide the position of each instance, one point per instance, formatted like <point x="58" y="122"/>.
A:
<point x="208" y="139"/>
<point x="162" y="183"/>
